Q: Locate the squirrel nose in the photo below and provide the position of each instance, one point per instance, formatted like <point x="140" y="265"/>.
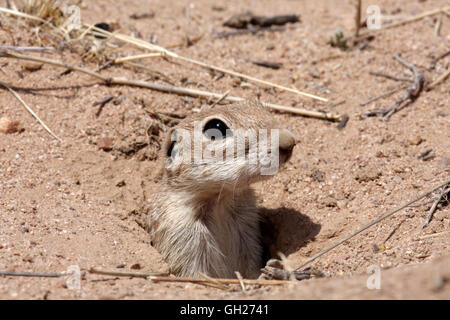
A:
<point x="287" y="141"/>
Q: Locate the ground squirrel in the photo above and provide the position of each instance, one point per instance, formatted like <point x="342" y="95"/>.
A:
<point x="204" y="218"/>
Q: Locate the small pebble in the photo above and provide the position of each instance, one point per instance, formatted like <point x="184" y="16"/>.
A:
<point x="32" y="66"/>
<point x="368" y="174"/>
<point x="9" y="126"/>
<point x="415" y="141"/>
<point x="105" y="143"/>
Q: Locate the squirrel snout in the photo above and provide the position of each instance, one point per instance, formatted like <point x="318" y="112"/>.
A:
<point x="287" y="141"/>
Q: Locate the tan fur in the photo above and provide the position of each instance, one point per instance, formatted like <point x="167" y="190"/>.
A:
<point x="205" y="218"/>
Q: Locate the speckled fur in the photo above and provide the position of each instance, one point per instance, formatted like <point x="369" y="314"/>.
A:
<point x="204" y="218"/>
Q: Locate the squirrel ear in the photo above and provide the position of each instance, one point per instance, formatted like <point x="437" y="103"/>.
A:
<point x="169" y="152"/>
<point x="169" y="144"/>
<point x="166" y="155"/>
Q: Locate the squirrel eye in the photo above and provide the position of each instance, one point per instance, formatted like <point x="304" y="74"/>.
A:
<point x="216" y="129"/>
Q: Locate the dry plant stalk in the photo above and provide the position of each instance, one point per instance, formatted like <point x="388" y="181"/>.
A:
<point x="437" y="28"/>
<point x="436" y="60"/>
<point x="137" y="57"/>
<point x="31" y="274"/>
<point x="223" y="281"/>
<point x="241" y="281"/>
<point x="31" y="111"/>
<point x="168" y="53"/>
<point x="433" y="235"/>
<point x="220" y="281"/>
<point x="220" y="99"/>
<point x="41" y="8"/>
<point x="29" y="49"/>
<point x="370" y="224"/>
<point x="445" y="10"/>
<point x="381" y="96"/>
<point x="357" y="17"/>
<point x="171" y="89"/>
<point x="410" y="95"/>
<point x="433" y="208"/>
<point x="150" y="70"/>
<point x="213" y="282"/>
<point x="388" y="76"/>
<point x="127" y="274"/>
<point x="440" y="79"/>
<point x="32" y="17"/>
<point x="192" y="92"/>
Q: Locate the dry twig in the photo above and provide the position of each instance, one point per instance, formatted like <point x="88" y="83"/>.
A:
<point x="101" y="104"/>
<point x="357" y="18"/>
<point x="29" y="49"/>
<point x="439" y="79"/>
<point x="137" y="57"/>
<point x="437" y="28"/>
<point x="424" y="153"/>
<point x="410" y="96"/>
<point x="169" y="120"/>
<point x="127" y="274"/>
<point x="388" y="76"/>
<point x="262" y="63"/>
<point x="393" y="231"/>
<point x="223" y="281"/>
<point x="331" y="116"/>
<point x="381" y="96"/>
<point x="433" y="235"/>
<point x="31" y="274"/>
<point x="220" y="99"/>
<point x="444" y="192"/>
<point x="372" y="223"/>
<point x="171" y="54"/>
<point x="406" y="21"/>
<point x="31" y="17"/>
<point x="158" y="278"/>
<point x="241" y="281"/>
<point x="157" y="73"/>
<point x="213" y="282"/>
<point x="30" y="111"/>
<point x="436" y="60"/>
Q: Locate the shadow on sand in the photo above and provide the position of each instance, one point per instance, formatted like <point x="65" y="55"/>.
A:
<point x="285" y="230"/>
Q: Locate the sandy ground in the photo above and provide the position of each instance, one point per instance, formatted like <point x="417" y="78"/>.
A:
<point x="72" y="203"/>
